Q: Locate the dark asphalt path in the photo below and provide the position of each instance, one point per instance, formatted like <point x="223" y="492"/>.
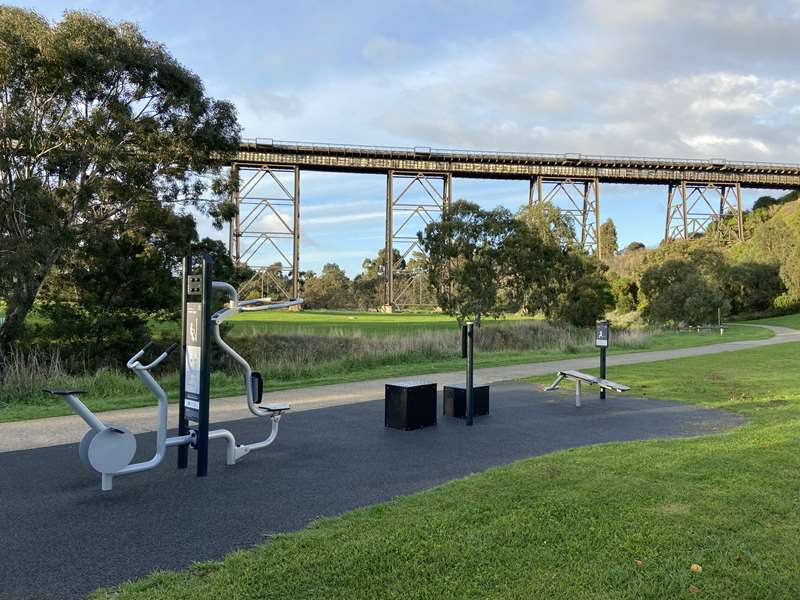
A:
<point x="60" y="537"/>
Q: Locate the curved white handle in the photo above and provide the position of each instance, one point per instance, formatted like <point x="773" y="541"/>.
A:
<point x="259" y="304"/>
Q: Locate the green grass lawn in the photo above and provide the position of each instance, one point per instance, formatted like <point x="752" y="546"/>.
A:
<point x="325" y="321"/>
<point x="110" y="390"/>
<point x="622" y="520"/>
<point x="792" y="321"/>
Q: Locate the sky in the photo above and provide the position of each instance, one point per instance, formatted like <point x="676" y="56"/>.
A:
<point x="671" y="78"/>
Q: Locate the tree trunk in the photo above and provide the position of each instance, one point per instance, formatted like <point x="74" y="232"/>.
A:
<point x="21" y="299"/>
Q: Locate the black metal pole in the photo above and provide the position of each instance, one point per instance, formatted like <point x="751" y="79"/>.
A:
<point x="205" y="379"/>
<point x="602" y="371"/>
<point x="469" y="395"/>
<point x="183" y="425"/>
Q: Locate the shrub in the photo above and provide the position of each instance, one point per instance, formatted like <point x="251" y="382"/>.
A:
<point x="752" y="287"/>
<point x="678" y="293"/>
<point x="786" y="303"/>
<point x="586" y="299"/>
<point x="626" y="294"/>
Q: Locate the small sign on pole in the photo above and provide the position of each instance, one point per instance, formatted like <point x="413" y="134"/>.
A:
<point x="601" y="341"/>
<point x="601" y="334"/>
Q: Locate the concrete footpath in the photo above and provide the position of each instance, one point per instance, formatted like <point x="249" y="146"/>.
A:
<point x="63" y="430"/>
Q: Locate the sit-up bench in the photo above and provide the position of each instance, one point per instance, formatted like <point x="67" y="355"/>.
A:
<point x="580" y="378"/>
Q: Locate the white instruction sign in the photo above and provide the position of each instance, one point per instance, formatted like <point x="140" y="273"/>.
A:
<point x="601" y="334"/>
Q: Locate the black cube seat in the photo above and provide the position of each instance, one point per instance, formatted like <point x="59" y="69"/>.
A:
<point x="454" y="400"/>
<point x="410" y="405"/>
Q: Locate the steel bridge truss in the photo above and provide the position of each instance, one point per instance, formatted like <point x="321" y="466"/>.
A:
<point x="697" y="208"/>
<point x="265" y="233"/>
<point x="413" y="200"/>
<point x="578" y="200"/>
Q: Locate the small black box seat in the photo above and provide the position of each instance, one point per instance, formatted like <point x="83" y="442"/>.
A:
<point x="454" y="400"/>
<point x="410" y="405"/>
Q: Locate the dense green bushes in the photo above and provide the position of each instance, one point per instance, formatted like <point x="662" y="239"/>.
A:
<point x="687" y="282"/>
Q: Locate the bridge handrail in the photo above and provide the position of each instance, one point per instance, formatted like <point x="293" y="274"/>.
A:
<point x="454" y="153"/>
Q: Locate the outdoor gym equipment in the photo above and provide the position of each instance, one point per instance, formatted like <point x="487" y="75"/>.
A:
<point x="109" y="449"/>
<point x="601" y="338"/>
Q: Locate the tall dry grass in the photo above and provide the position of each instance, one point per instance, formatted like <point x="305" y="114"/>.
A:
<point x="285" y="357"/>
<point x="25" y="374"/>
<point x="289" y="357"/>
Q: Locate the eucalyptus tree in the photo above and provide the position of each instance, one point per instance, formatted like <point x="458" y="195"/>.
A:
<point x="95" y="120"/>
<point x="467" y="264"/>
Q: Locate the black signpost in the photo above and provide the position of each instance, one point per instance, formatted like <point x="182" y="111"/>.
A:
<point x="601" y="341"/>
<point x="194" y="383"/>
<point x="467" y="340"/>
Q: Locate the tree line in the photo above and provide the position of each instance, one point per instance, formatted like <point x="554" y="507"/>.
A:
<point x="477" y="262"/>
<point x="687" y="282"/>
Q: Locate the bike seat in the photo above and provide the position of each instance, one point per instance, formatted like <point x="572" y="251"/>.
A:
<point x="277" y="407"/>
<point x="63" y="392"/>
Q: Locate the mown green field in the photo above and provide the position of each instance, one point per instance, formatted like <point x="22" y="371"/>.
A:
<point x="792" y="321"/>
<point x="623" y="520"/>
<point x="114" y="389"/>
<point x="321" y="322"/>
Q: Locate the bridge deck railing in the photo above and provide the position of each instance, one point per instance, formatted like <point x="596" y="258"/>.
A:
<point x="448" y="153"/>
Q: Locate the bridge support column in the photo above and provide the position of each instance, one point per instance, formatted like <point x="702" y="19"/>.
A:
<point x="234" y="249"/>
<point x="413" y="200"/>
<point x="702" y="208"/>
<point x="578" y="200"/>
<point x="265" y="232"/>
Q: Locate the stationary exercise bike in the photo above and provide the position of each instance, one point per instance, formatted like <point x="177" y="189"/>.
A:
<point x="109" y="449"/>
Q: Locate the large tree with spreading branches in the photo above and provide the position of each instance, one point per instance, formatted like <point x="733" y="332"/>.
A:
<point x="95" y="120"/>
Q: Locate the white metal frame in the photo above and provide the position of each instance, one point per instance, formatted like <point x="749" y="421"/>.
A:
<point x="234" y="452"/>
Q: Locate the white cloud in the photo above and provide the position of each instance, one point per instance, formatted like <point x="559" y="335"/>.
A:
<point x="269" y="221"/>
<point x="592" y="94"/>
<point x="340" y="219"/>
<point x="266" y="102"/>
<point x="713" y="143"/>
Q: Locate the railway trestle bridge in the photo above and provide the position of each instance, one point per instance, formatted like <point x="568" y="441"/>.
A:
<point x="703" y="196"/>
